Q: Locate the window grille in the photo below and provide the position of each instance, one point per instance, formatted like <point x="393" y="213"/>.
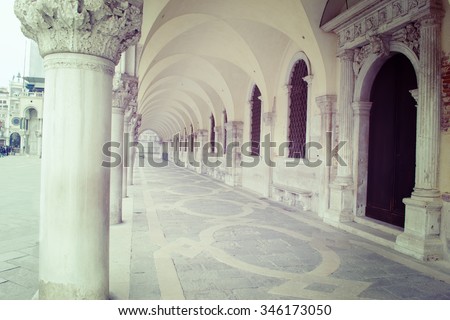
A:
<point x="225" y="121"/>
<point x="212" y="136"/>
<point x="298" y="110"/>
<point x="255" y="133"/>
<point x="192" y="140"/>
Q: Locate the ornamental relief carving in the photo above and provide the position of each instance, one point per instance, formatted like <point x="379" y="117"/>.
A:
<point x="389" y="17"/>
<point x="378" y="45"/>
<point x="409" y="35"/>
<point x="137" y="127"/>
<point x="103" y="28"/>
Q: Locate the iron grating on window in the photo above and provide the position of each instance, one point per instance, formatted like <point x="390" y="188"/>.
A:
<point x="255" y="133"/>
<point x="298" y="110"/>
<point x="212" y="138"/>
<point x="225" y="121"/>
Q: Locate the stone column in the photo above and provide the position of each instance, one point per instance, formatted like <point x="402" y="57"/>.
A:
<point x="341" y="190"/>
<point x="129" y="114"/>
<point x="202" y="140"/>
<point x="347" y="86"/>
<point x="269" y="123"/>
<point x="80" y="45"/>
<point x="327" y="105"/>
<point x="423" y="210"/>
<point x="115" y="205"/>
<point x="233" y="157"/>
<point x="361" y="122"/>
<point x="428" y="109"/>
<point x="219" y="138"/>
<point x="134" y="135"/>
<point x="120" y="102"/>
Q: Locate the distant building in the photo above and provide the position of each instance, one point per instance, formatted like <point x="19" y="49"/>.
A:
<point x="21" y="107"/>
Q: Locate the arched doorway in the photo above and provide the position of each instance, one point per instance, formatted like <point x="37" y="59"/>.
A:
<point x="14" y="141"/>
<point x="392" y="141"/>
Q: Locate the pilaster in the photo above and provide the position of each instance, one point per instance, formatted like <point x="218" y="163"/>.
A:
<point x="342" y="189"/>
<point x="327" y="106"/>
<point x="361" y="122"/>
<point x="421" y="236"/>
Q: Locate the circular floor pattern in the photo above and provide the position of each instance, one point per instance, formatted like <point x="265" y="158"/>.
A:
<point x="213" y="208"/>
<point x="190" y="190"/>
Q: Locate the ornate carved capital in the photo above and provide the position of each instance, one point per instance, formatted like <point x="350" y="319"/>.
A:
<point x="103" y="28"/>
<point x="202" y="134"/>
<point x="125" y="89"/>
<point x="327" y="103"/>
<point x="432" y="19"/>
<point x="287" y="89"/>
<point x="346" y="55"/>
<point x="308" y="79"/>
<point x="137" y="126"/>
<point x="268" y="118"/>
<point x="415" y="94"/>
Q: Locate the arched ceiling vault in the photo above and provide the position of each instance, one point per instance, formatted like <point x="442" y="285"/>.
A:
<point x="201" y="56"/>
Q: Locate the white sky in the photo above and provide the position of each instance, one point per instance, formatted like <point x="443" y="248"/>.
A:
<point x="12" y="43"/>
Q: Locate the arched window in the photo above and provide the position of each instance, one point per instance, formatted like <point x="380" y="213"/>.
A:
<point x="255" y="125"/>
<point x="298" y="110"/>
<point x="212" y="137"/>
<point x="191" y="138"/>
<point x="225" y="121"/>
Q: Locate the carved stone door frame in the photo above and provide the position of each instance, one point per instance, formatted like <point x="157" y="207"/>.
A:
<point x="369" y="34"/>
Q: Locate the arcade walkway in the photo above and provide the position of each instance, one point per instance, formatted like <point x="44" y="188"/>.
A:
<point x="186" y="236"/>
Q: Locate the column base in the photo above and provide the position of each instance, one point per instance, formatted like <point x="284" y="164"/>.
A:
<point x="425" y="249"/>
<point x="115" y="214"/>
<point x="341" y="204"/>
<point x="420" y="238"/>
<point x="116" y="219"/>
<point x="65" y="291"/>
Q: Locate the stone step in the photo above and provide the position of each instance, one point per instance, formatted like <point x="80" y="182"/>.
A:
<point x="373" y="230"/>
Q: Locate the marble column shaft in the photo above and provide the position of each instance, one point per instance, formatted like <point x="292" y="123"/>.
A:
<point x="429" y="108"/>
<point x="327" y="105"/>
<point x="361" y="111"/>
<point x="81" y="44"/>
<point x="116" y="192"/>
<point x="347" y="84"/>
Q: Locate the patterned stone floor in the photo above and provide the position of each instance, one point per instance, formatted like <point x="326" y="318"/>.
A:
<point x="189" y="237"/>
<point x="19" y="227"/>
<point x="194" y="238"/>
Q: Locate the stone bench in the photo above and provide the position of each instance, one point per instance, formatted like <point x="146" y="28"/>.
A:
<point x="292" y="196"/>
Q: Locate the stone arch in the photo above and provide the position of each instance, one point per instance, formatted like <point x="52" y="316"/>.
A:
<point x="373" y="64"/>
<point x="28" y="110"/>
<point x="15" y="140"/>
<point x="298" y="56"/>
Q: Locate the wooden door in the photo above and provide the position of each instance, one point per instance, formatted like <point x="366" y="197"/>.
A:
<point x="392" y="141"/>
